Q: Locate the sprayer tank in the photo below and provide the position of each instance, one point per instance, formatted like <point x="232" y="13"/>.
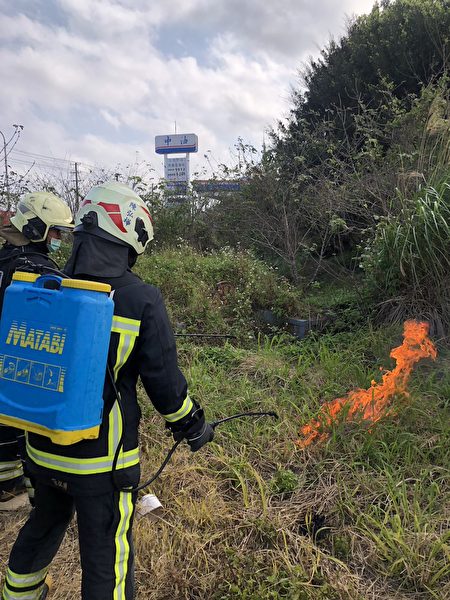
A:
<point x="54" y="339"/>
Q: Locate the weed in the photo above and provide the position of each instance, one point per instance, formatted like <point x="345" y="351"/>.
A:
<point x="284" y="481"/>
<point x="250" y="517"/>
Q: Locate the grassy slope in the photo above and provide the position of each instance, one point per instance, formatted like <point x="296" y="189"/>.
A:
<point x="251" y="517"/>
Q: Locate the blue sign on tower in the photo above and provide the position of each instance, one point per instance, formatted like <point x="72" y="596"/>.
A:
<point x="176" y="143"/>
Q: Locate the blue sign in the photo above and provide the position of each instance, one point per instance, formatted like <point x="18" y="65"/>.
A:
<point x="177" y="187"/>
<point x="176" y="143"/>
<point x="216" y="186"/>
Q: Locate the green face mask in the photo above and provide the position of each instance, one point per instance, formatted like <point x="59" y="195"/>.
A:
<point x="54" y="245"/>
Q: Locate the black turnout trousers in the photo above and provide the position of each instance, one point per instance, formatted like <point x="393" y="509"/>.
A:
<point x="106" y="545"/>
<point x="12" y="442"/>
<point x="12" y="457"/>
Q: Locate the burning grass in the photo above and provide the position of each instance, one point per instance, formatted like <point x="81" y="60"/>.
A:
<point x="357" y="517"/>
<point x="372" y="404"/>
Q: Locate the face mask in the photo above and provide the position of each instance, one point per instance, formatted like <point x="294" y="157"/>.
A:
<point x="54" y="245"/>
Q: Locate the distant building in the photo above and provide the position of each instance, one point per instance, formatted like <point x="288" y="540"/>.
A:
<point x="216" y="185"/>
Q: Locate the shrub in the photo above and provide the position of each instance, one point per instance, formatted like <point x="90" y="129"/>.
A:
<point x="216" y="292"/>
<point x="408" y="262"/>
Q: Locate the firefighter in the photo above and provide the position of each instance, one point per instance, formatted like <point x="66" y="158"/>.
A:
<point x="112" y="227"/>
<point x="35" y="230"/>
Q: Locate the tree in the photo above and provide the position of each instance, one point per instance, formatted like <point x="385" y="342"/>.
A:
<point x="10" y="184"/>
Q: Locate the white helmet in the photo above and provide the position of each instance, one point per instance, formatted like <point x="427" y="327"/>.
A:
<point x="40" y="211"/>
<point x="120" y="213"/>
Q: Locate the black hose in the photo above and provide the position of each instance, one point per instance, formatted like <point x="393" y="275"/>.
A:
<point x="207" y="335"/>
<point x="214" y="424"/>
<point x="269" y="413"/>
<point x="23" y="257"/>
<point x="158" y="472"/>
<point x="28" y="264"/>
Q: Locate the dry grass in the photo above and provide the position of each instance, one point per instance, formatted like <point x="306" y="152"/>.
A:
<point x="251" y="518"/>
<point x="66" y="570"/>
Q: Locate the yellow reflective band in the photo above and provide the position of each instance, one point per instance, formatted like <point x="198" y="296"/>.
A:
<point x="126" y="345"/>
<point x="182" y="412"/>
<point x="124" y="325"/>
<point x="128" y="330"/>
<point x="7" y="475"/>
<point x="27" y="580"/>
<point x="5" y="466"/>
<point x="30" y="595"/>
<point x="115" y="429"/>
<point x="82" y="466"/>
<point x="122" y="545"/>
<point x="126" y="320"/>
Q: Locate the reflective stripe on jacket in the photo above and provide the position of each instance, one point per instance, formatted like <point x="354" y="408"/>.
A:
<point x="142" y="345"/>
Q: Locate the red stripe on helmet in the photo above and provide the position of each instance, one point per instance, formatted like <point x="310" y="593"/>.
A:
<point x="115" y="215"/>
<point x="117" y="220"/>
<point x="149" y="215"/>
<point x="110" y="208"/>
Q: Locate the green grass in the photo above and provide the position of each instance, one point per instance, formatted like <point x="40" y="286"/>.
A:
<point x="251" y="517"/>
<point x="218" y="292"/>
<point x="408" y="260"/>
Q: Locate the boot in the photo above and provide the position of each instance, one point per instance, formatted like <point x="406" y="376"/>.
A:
<point x="15" y="498"/>
<point x="46" y="588"/>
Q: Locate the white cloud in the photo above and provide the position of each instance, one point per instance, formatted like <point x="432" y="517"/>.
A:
<point x="110" y="118"/>
<point x="95" y="80"/>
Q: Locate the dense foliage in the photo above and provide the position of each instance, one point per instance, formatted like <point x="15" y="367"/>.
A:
<point x="220" y="292"/>
<point x="365" y="137"/>
<point x="408" y="260"/>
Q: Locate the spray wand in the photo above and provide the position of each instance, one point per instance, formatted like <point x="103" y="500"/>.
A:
<point x="27" y="264"/>
<point x="214" y="424"/>
<point x="43" y="268"/>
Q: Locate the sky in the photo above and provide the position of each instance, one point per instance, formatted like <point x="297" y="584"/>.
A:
<point x="94" y="81"/>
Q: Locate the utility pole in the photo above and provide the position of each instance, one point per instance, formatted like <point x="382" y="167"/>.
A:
<point x="76" y="186"/>
<point x="14" y="138"/>
<point x="8" y="199"/>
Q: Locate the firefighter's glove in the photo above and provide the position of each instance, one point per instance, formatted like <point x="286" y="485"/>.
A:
<point x="193" y="428"/>
<point x="201" y="438"/>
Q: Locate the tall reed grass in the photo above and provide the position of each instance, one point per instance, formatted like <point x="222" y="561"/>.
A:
<point x="408" y="261"/>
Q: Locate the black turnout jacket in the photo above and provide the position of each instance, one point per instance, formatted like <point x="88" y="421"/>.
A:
<point x="142" y="345"/>
<point x="14" y="258"/>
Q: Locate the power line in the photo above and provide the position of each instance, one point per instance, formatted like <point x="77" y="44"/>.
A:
<point x="41" y="156"/>
<point x="43" y="161"/>
<point x="52" y="158"/>
<point x="47" y="165"/>
<point x="38" y="163"/>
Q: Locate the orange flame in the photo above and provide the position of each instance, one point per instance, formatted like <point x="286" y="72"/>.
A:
<point x="371" y="404"/>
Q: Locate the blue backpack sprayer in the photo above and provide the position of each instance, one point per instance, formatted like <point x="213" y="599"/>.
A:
<point x="54" y="339"/>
